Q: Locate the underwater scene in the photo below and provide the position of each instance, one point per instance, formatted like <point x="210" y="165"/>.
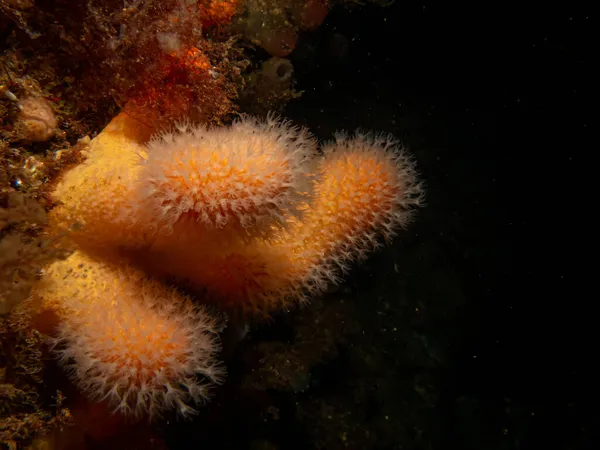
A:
<point x="291" y="224"/>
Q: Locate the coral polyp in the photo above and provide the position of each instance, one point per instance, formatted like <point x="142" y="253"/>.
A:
<point x="366" y="190"/>
<point x="250" y="213"/>
<point x="129" y="340"/>
<point x="248" y="175"/>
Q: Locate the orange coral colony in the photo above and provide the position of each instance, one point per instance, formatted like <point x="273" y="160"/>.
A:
<point x="250" y="214"/>
<point x="251" y="217"/>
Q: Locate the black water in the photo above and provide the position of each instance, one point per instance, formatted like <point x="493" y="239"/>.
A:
<point x="473" y="330"/>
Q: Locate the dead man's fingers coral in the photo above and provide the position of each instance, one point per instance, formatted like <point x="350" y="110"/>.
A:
<point x="243" y="179"/>
<point x="94" y="198"/>
<point x="129" y="340"/>
<point x="367" y="189"/>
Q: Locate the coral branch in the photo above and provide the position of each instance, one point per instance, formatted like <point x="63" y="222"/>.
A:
<point x="129" y="340"/>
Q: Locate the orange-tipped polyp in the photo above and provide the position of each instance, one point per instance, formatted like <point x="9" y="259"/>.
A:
<point x="129" y="340"/>
<point x="244" y="177"/>
<point x="368" y="190"/>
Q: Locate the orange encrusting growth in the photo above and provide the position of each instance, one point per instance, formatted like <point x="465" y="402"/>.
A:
<point x="192" y="60"/>
<point x="128" y="339"/>
<point x="217" y="12"/>
<point x="159" y="105"/>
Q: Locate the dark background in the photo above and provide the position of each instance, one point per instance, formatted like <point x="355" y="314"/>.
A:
<point x="494" y="99"/>
<point x="494" y="344"/>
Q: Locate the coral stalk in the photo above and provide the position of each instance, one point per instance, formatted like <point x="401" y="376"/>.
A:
<point x="94" y="197"/>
